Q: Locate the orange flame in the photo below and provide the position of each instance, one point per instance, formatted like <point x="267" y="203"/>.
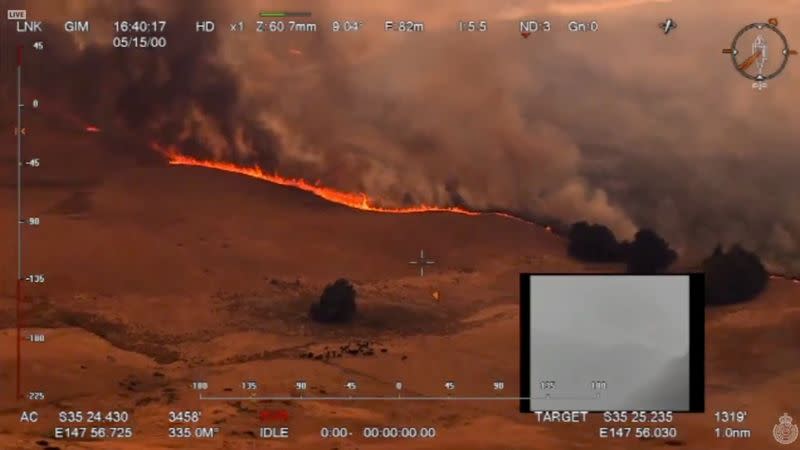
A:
<point x="350" y="199"/>
<point x="92" y="129"/>
<point x="356" y="200"/>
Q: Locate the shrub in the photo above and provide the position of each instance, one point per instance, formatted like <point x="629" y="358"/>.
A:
<point x="336" y="304"/>
<point x="733" y="277"/>
<point x="649" y="253"/>
<point x="594" y="243"/>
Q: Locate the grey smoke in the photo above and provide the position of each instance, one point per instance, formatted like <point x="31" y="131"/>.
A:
<point x="625" y="127"/>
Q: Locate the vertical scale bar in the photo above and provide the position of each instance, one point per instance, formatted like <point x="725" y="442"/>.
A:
<point x="19" y="221"/>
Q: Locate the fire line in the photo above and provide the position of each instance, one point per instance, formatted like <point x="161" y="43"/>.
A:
<point x="353" y="200"/>
<point x="350" y="199"/>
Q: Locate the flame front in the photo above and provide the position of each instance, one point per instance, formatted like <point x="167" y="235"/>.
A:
<point x="350" y="199"/>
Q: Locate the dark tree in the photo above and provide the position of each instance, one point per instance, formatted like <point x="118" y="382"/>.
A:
<point x="649" y="253"/>
<point x="336" y="304"/>
<point x="594" y="243"/>
<point x="734" y="276"/>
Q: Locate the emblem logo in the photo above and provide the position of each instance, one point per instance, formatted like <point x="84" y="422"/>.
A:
<point x="785" y="432"/>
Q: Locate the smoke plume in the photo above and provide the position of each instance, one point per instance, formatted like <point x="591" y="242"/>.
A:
<point x="624" y="126"/>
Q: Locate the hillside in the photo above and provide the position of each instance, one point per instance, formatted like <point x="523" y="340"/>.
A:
<point x="158" y="276"/>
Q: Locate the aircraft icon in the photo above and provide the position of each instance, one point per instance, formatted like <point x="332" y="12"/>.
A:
<point x="668" y="25"/>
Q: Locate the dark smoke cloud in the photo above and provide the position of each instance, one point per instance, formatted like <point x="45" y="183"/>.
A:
<point x="624" y="127"/>
<point x="181" y="95"/>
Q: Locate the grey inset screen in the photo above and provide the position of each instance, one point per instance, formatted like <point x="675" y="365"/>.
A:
<point x="609" y="342"/>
